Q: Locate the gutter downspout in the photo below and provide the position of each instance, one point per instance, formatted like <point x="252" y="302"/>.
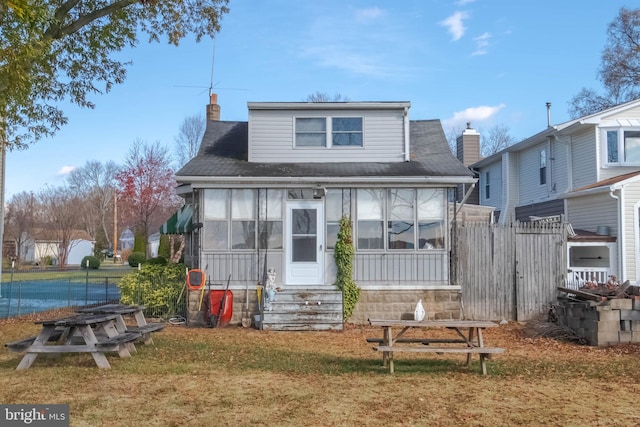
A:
<point x="621" y="259"/>
<point x="407" y="155"/>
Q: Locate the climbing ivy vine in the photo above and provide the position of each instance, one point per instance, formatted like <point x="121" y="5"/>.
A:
<point x="343" y="255"/>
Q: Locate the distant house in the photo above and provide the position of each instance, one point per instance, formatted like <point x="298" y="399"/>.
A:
<point x="44" y="246"/>
<point x="587" y="170"/>
<point x="270" y="192"/>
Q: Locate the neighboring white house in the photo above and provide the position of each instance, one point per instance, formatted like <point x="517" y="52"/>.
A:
<point x="46" y="246"/>
<point x="586" y="169"/>
<point x="275" y="187"/>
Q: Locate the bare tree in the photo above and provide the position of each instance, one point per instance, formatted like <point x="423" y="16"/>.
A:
<point x="497" y="139"/>
<point x="189" y="139"/>
<point x="59" y="218"/>
<point x="325" y="97"/>
<point x="452" y="135"/>
<point x="20" y="221"/>
<point x="95" y="184"/>
<point x="619" y="68"/>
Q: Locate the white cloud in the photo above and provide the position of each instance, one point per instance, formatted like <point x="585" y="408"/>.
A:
<point x="65" y="170"/>
<point x="455" y="25"/>
<point x="370" y="14"/>
<point x="473" y="115"/>
<point x="482" y="43"/>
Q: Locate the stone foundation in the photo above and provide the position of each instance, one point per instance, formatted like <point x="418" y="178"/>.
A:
<point x="390" y="304"/>
<point x="602" y="323"/>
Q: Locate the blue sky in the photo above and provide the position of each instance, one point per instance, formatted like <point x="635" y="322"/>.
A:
<point x="486" y="61"/>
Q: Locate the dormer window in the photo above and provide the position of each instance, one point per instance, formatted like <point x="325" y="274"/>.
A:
<point x="328" y="132"/>
<point x="311" y="132"/>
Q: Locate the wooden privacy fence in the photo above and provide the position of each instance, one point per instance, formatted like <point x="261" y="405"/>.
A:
<point x="508" y="271"/>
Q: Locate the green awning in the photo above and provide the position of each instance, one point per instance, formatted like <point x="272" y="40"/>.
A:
<point x="180" y="222"/>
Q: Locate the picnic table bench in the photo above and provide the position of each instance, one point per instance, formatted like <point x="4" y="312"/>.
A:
<point x="81" y="333"/>
<point x="470" y="343"/>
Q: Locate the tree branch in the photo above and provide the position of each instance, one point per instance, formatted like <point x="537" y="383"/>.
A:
<point x="55" y="32"/>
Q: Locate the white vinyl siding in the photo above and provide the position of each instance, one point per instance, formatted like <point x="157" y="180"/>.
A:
<point x="630" y="198"/>
<point x="530" y="189"/>
<point x="495" y="185"/>
<point x="584" y="158"/>
<point x="272" y="133"/>
<point x="589" y="212"/>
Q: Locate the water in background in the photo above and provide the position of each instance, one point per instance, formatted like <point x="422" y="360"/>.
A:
<point x="26" y="297"/>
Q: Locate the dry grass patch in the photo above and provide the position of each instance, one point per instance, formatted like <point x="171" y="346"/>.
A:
<point x="236" y="376"/>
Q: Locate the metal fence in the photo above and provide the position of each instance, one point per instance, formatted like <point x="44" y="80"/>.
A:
<point x="24" y="292"/>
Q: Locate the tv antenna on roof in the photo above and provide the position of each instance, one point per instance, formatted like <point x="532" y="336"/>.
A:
<point x="212" y="85"/>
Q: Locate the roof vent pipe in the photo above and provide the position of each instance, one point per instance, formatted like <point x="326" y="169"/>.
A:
<point x="548" y="114"/>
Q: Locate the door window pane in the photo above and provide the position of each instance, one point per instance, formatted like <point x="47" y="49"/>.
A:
<point x="304" y="235"/>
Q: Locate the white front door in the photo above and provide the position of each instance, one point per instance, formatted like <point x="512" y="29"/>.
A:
<point x="305" y="243"/>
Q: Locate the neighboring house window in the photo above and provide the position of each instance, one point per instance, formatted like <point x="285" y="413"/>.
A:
<point x="328" y="132"/>
<point x="612" y="146"/>
<point x="243" y="219"/>
<point x="370" y="211"/>
<point x="413" y="217"/>
<point x="431" y="225"/>
<point x="631" y="146"/>
<point x="622" y="146"/>
<point x="338" y="202"/>
<point x="216" y="219"/>
<point x="400" y="228"/>
<point x="487" y="185"/>
<point x="543" y="167"/>
<point x="311" y="132"/>
<point x="347" y="131"/>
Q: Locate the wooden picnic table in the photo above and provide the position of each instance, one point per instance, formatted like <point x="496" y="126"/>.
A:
<point x="466" y="338"/>
<point x="82" y="333"/>
<point x="121" y="310"/>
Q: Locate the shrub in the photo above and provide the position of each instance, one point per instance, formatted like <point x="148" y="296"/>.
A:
<point x="137" y="258"/>
<point x="157" y="287"/>
<point x="140" y="243"/>
<point x="164" y="247"/>
<point x="94" y="262"/>
<point x="159" y="260"/>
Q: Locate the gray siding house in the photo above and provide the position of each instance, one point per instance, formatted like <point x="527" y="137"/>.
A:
<point x="587" y="170"/>
<point x="270" y="192"/>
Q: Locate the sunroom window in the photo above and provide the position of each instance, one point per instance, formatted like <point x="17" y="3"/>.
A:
<point x="431" y="227"/>
<point x="370" y="206"/>
<point x="337" y="202"/>
<point x="243" y="219"/>
<point x="400" y="229"/>
<point x="216" y="219"/>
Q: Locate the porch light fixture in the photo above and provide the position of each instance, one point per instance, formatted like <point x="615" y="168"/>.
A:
<point x="319" y="193"/>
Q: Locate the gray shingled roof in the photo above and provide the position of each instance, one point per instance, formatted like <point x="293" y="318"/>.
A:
<point x="224" y="147"/>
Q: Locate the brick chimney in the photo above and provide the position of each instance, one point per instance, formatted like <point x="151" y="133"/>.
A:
<point x="213" y="109"/>
<point x="468" y="146"/>
<point x="468" y="152"/>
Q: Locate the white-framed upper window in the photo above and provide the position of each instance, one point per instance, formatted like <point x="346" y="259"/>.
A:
<point x="328" y="132"/>
<point x="621" y="146"/>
